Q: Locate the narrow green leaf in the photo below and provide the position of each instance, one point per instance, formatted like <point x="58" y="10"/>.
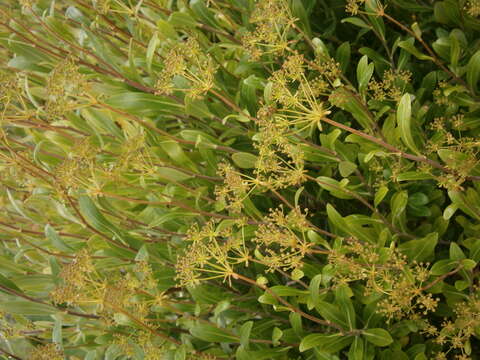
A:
<point x="57" y="331"/>
<point x="211" y="333"/>
<point x="408" y="46"/>
<point x="56" y="240"/>
<point x="379" y="337"/>
<point x="404" y="117"/>
<point x="420" y="249"/>
<point x="9" y="284"/>
<point x="314" y="289"/>
<point x="328" y="343"/>
<point x="414" y="176"/>
<point x="244" y="160"/>
<point x="342" y="298"/>
<point x="23" y="307"/>
<point x="346" y="168"/>
<point x="356" y="350"/>
<point x="342" y="55"/>
<point x="473" y="70"/>
<point x="443" y="266"/>
<point x="364" y="73"/>
<point x="380" y="195"/>
<point x="245" y="330"/>
<point x="152" y="47"/>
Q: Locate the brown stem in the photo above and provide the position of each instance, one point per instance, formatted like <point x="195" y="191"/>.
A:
<point x="441" y="278"/>
<point x="10" y="355"/>
<point x="395" y="150"/>
<point x="39" y="233"/>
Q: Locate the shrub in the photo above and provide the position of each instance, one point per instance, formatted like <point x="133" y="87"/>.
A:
<point x="240" y="179"/>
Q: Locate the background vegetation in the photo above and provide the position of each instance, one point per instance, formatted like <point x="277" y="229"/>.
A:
<point x="231" y="179"/>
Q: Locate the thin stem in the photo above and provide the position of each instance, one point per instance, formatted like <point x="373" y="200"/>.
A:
<point x="395" y="150"/>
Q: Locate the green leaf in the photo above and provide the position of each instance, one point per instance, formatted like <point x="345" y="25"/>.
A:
<point x="197" y="108"/>
<point x="314" y="289"/>
<point x="380" y="195"/>
<point x="299" y="12"/>
<point x="356" y="350"/>
<point x="328" y="343"/>
<point x="379" y="337"/>
<point x="418" y="199"/>
<point x="166" y="29"/>
<point x="334" y="187"/>
<point x="357" y="22"/>
<point x="172" y="174"/>
<point x="181" y="352"/>
<point x="352" y="105"/>
<point x="364" y="73"/>
<point x="463" y="203"/>
<point x="144" y="104"/>
<point x="408" y="46"/>
<point x="342" y="298"/>
<point x="296" y="322"/>
<point x="245" y="330"/>
<point x="177" y="154"/>
<point x="56" y="240"/>
<point x="336" y="219"/>
<point x="443" y="266"/>
<point x="152" y="47"/>
<point x="473" y="254"/>
<point x="473" y="70"/>
<point x="57" y="331"/>
<point x="420" y="249"/>
<point x="373" y="7"/>
<point x="276" y="335"/>
<point x="248" y="92"/>
<point x="456" y="252"/>
<point x="404" y="116"/>
<point x="203" y="12"/>
<point x="23" y="307"/>
<point x="266" y="354"/>
<point x="101" y="121"/>
<point x="279" y="290"/>
<point x="211" y="333"/>
<point x="244" y="160"/>
<point x="468" y="264"/>
<point x="342" y="55"/>
<point x="94" y="217"/>
<point x="331" y="312"/>
<point x="346" y="168"/>
<point x="399" y="203"/>
<point x="414" y="176"/>
<point x="9" y="284"/>
<point x="182" y="19"/>
<point x="15" y="204"/>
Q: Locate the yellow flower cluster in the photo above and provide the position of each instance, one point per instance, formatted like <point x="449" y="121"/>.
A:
<point x="392" y="85"/>
<point x="47" y="352"/>
<point x="385" y="272"/>
<point x="281" y="240"/>
<point x="273" y="20"/>
<point x="64" y="83"/>
<point x="191" y="62"/>
<point x="76" y="277"/>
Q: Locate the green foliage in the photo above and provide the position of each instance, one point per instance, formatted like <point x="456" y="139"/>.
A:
<point x="239" y="179"/>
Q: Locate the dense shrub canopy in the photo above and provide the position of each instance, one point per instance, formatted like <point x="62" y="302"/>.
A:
<point x="239" y="179"/>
